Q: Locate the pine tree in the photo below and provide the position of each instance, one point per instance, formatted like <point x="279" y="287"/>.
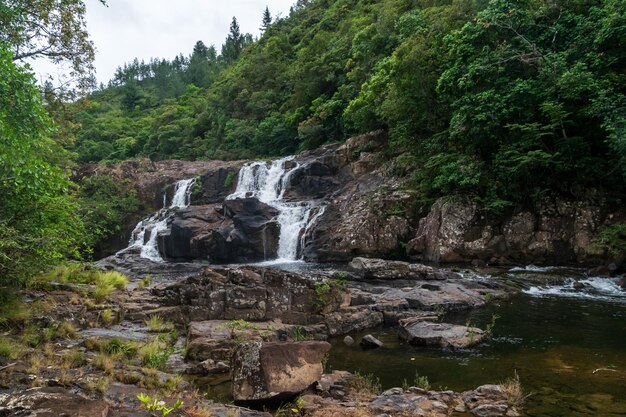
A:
<point x="267" y="20"/>
<point x="234" y="43"/>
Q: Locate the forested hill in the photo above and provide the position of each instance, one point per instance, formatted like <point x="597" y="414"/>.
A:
<point x="500" y="99"/>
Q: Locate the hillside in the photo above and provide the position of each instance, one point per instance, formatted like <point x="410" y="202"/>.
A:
<point x="503" y="100"/>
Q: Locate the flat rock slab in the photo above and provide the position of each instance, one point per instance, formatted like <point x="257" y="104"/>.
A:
<point x="451" y="295"/>
<point x="269" y="371"/>
<point x="444" y="335"/>
<point x="381" y="269"/>
<point x="50" y="402"/>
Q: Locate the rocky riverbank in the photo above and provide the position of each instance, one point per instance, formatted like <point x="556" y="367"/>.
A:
<point x="261" y="327"/>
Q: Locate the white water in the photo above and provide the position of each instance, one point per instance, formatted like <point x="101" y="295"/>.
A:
<point x="595" y="288"/>
<point x="157" y="223"/>
<point x="267" y="182"/>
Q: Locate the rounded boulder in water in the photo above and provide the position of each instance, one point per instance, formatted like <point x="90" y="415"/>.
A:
<point x="370" y="342"/>
<point x="348" y="340"/>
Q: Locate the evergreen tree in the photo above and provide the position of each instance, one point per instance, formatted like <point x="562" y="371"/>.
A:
<point x="267" y="20"/>
<point x="234" y="43"/>
<point x="200" y="50"/>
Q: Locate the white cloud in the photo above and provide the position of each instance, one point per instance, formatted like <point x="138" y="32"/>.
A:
<point x="144" y="29"/>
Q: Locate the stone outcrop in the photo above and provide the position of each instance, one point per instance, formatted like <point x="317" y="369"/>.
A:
<point x="557" y="231"/>
<point x="251" y="293"/>
<point x="266" y="371"/>
<point x="366" y="212"/>
<point x="443" y="335"/>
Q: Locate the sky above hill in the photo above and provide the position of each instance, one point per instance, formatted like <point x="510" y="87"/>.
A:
<point x="128" y="29"/>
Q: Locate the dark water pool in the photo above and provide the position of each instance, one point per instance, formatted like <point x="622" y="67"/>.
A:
<point x="569" y="353"/>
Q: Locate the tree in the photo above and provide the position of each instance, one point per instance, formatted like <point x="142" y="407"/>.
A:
<point x="39" y="224"/>
<point x="234" y="43"/>
<point x="53" y="29"/>
<point x="267" y="20"/>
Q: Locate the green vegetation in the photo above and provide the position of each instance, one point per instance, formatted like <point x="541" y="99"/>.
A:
<point x="8" y="348"/>
<point x="328" y="291"/>
<point x="612" y="239"/>
<point x="103" y="283"/>
<point x="503" y="100"/>
<point x="106" y="203"/>
<point x="491" y="325"/>
<point x="154" y="404"/>
<point x="156" y="324"/>
<point x="39" y="221"/>
<point x="155" y="354"/>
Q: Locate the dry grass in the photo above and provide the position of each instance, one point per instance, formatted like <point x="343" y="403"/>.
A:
<point x="104" y="362"/>
<point x="99" y="385"/>
<point x="365" y="386"/>
<point x="336" y="411"/>
<point x="513" y="390"/>
<point x="198" y="412"/>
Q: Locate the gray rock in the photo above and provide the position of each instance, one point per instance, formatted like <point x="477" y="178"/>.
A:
<point x="444" y="335"/>
<point x="370" y="342"/>
<point x="348" y="340"/>
<point x="381" y="269"/>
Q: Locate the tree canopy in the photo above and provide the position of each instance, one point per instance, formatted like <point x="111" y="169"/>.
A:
<point x="499" y="99"/>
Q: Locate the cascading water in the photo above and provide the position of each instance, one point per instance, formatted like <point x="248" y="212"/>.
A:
<point x="158" y="222"/>
<point x="268" y="184"/>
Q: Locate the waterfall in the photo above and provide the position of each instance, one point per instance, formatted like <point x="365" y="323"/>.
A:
<point x="267" y="182"/>
<point x="157" y="223"/>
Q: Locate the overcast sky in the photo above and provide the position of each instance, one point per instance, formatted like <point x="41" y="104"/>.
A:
<point x="143" y="29"/>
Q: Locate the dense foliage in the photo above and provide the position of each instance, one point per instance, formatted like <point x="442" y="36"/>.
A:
<point x="51" y="29"/>
<point x="502" y="99"/>
<point x="39" y="221"/>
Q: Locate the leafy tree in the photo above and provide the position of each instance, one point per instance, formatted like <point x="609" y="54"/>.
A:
<point x="39" y="224"/>
<point x="52" y="29"/>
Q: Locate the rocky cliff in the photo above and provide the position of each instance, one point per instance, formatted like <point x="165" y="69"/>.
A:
<point x="362" y="211"/>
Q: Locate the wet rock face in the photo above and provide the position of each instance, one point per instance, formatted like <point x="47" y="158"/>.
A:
<point x="241" y="230"/>
<point x="50" y="402"/>
<point x="444" y="335"/>
<point x="265" y="371"/>
<point x="558" y="231"/>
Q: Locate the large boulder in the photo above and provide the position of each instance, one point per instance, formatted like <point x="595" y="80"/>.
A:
<point x="197" y="232"/>
<point x="240" y="230"/>
<point x="444" y="335"/>
<point x="270" y="371"/>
